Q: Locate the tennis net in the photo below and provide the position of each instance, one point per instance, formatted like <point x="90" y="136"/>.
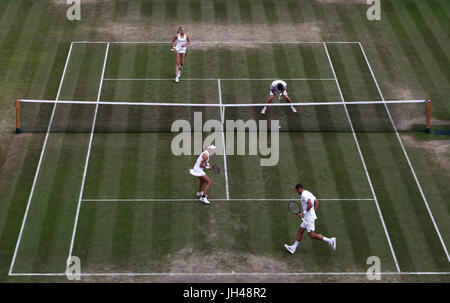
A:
<point x="358" y="116"/>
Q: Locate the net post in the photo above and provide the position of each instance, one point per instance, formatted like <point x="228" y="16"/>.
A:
<point x="18" y="130"/>
<point x="428" y="129"/>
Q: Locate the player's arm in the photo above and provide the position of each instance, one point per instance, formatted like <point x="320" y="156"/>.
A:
<point x="288" y="98"/>
<point x="316" y="204"/>
<point x="188" y="41"/>
<point x="173" y="41"/>
<point x="275" y="93"/>
<point x="308" y="208"/>
<point x="203" y="164"/>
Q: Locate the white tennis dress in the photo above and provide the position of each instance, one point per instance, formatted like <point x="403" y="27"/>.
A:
<point x="197" y="171"/>
<point x="180" y="42"/>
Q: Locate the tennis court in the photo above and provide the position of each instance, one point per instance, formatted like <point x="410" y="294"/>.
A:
<point x="109" y="190"/>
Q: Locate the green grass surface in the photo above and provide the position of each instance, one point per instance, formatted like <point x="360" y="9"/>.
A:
<point x="408" y="51"/>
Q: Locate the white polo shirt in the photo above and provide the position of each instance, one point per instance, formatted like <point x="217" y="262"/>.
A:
<point x="274" y="86"/>
<point x="307" y="195"/>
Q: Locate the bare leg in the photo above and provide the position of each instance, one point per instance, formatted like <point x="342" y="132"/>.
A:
<point x="287" y="98"/>
<point x="301" y="230"/>
<point x="178" y="63"/>
<point x="293" y="247"/>
<point x="313" y="235"/>
<point x="290" y="101"/>
<point x="265" y="107"/>
<point x="182" y="59"/>
<point x="206" y="180"/>
<point x="201" y="185"/>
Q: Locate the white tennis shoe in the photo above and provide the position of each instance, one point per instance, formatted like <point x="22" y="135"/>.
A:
<point x="263" y="110"/>
<point x="290" y="248"/>
<point x="293" y="109"/>
<point x="204" y="200"/>
<point x="333" y="243"/>
<point x="199" y="193"/>
<point x="177" y="79"/>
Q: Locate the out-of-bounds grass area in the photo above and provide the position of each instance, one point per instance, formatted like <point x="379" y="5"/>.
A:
<point x="407" y="50"/>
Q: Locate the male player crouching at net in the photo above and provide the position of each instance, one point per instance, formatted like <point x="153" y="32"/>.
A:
<point x="201" y="163"/>
<point x="278" y="88"/>
<point x="309" y="217"/>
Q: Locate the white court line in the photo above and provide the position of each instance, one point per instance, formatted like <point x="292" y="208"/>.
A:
<point x="222" y="114"/>
<point x="87" y="159"/>
<point x="30" y="197"/>
<point x="222" y="42"/>
<point x="221" y="199"/>
<point x="418" y="273"/>
<point x="363" y="162"/>
<point x="407" y="157"/>
<point x="215" y="79"/>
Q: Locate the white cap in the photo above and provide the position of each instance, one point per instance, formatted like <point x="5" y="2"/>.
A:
<point x="211" y="147"/>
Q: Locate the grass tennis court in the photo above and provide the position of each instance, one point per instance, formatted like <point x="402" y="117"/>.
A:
<point x="118" y="199"/>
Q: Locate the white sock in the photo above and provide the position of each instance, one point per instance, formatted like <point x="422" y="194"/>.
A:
<point x="296" y="244"/>
<point x="328" y="240"/>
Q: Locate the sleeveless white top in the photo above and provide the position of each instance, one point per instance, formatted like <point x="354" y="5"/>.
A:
<point x="181" y="41"/>
<point x="197" y="166"/>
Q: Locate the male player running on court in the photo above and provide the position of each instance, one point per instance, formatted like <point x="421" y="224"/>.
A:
<point x="309" y="205"/>
<point x="201" y="163"/>
<point x="182" y="41"/>
<point x="278" y="89"/>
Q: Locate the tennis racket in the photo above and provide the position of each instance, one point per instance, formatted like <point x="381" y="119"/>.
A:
<point x="295" y="209"/>
<point x="215" y="169"/>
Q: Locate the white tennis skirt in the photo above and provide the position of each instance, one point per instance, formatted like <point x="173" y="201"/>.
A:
<point x="197" y="173"/>
<point x="181" y="50"/>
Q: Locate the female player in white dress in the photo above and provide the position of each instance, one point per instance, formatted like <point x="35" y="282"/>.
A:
<point x="179" y="43"/>
<point x="278" y="89"/>
<point x="201" y="163"/>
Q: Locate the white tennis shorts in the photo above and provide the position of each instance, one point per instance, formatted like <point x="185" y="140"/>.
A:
<point x="197" y="173"/>
<point x="284" y="93"/>
<point x="310" y="226"/>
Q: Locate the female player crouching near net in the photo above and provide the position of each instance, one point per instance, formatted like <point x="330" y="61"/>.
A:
<point x="179" y="43"/>
<point x="201" y="163"/>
